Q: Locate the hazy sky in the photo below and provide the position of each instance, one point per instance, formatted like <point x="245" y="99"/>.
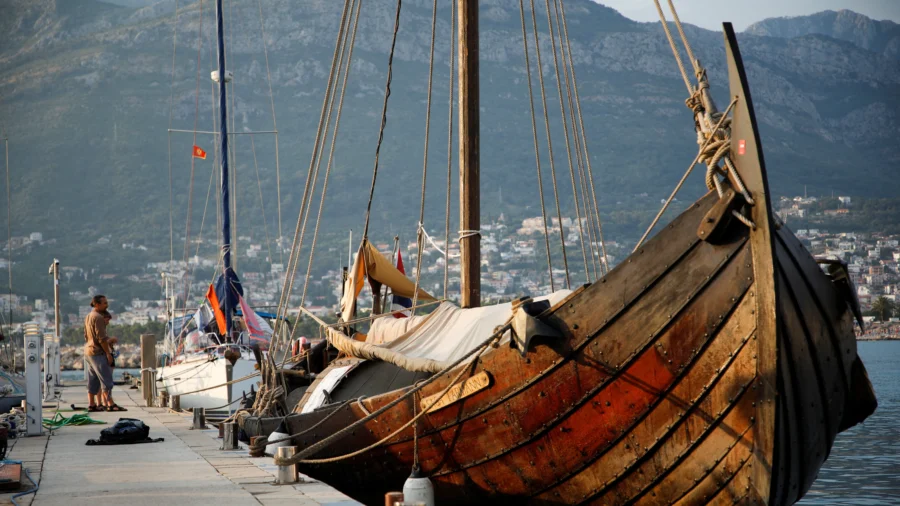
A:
<point x="711" y="13"/>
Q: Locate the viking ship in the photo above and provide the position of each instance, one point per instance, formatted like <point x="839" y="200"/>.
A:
<point x="714" y="365"/>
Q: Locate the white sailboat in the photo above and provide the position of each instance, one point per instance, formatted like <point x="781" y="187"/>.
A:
<point x="210" y="357"/>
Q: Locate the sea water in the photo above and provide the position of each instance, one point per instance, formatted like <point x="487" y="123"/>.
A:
<point x="79" y="375"/>
<point x="864" y="466"/>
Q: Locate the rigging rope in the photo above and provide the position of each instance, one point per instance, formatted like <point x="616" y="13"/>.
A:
<point x="187" y="235"/>
<point x="292" y="259"/>
<point x="537" y="154"/>
<point x="321" y="147"/>
<point x="420" y="240"/>
<point x="683" y="179"/>
<point x="568" y="71"/>
<point x="312" y="449"/>
<point x="449" y="146"/>
<point x="579" y="162"/>
<point x="334" y="134"/>
<point x="262" y="204"/>
<point x="562" y="111"/>
<point x="387" y="95"/>
<point x="537" y="47"/>
<point x="587" y="156"/>
<point x="9" y="267"/>
<point x="265" y="44"/>
<point x="171" y="113"/>
<point x="665" y="26"/>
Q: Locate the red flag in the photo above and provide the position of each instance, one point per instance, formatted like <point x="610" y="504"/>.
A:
<point x="199" y="153"/>
<point x="217" y="311"/>
<point x="401" y="304"/>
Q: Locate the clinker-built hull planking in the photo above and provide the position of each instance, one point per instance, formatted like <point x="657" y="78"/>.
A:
<point x="696" y="372"/>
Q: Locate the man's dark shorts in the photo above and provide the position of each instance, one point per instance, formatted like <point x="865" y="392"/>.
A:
<point x="99" y="374"/>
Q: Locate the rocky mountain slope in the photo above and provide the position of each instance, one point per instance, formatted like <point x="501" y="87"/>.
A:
<point x="881" y="37"/>
<point x="87" y="94"/>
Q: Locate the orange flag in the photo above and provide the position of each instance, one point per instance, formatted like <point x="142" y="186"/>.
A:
<point x="214" y="302"/>
<point x="199" y="153"/>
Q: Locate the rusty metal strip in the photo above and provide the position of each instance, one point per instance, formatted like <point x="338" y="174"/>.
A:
<point x="616" y="373"/>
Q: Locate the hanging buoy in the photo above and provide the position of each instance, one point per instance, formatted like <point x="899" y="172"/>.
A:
<point x="418" y="489"/>
<point x="280" y="433"/>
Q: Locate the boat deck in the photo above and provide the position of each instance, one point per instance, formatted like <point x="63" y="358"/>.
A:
<point x="188" y="465"/>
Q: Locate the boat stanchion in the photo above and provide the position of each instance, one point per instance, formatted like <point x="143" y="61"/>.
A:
<point x="393" y="498"/>
<point x="255" y="450"/>
<point x="199" y="419"/>
<point x="286" y="474"/>
<point x="148" y="364"/>
<point x="229" y="436"/>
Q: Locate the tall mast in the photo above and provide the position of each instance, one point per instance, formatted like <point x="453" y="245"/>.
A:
<point x="223" y="156"/>
<point x="469" y="181"/>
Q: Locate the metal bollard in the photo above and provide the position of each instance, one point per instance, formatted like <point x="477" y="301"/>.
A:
<point x="176" y="403"/>
<point x="259" y="452"/>
<point x="199" y="419"/>
<point x="392" y="498"/>
<point x="286" y="474"/>
<point x="230" y="436"/>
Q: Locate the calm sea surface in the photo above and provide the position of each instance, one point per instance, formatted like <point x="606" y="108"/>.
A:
<point x="864" y="466"/>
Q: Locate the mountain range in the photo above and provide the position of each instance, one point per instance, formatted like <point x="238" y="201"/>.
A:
<point x="87" y="93"/>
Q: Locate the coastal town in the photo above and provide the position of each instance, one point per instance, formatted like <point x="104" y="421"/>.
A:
<point x="513" y="264"/>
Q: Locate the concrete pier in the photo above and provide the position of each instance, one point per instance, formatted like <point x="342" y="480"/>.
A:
<point x="187" y="467"/>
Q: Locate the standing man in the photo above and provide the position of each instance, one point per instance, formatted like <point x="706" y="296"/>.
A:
<point x="98" y="355"/>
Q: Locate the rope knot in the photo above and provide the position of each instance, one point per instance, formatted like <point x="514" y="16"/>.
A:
<point x="463" y="234"/>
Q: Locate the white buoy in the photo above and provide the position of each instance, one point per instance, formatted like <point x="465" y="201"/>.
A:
<point x="418" y="489"/>
<point x="280" y="433"/>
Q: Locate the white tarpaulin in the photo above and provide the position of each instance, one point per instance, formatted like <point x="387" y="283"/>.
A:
<point x="428" y="343"/>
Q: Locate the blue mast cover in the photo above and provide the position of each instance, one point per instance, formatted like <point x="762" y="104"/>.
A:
<point x="228" y="303"/>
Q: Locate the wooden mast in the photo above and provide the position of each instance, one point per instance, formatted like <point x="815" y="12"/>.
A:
<point x="469" y="181"/>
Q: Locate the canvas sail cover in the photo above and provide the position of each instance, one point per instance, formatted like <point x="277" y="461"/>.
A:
<point x="429" y="343"/>
<point x="371" y="265"/>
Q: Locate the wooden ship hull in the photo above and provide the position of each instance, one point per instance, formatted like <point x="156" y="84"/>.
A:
<point x="701" y="370"/>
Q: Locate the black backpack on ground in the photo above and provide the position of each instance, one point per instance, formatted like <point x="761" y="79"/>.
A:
<point x="125" y="431"/>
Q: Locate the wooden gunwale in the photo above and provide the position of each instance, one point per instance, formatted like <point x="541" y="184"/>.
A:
<point x="701" y="395"/>
<point x="703" y="435"/>
<point x="739" y="246"/>
<point x="689" y="496"/>
<point x="815" y="293"/>
<point x="814" y="357"/>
